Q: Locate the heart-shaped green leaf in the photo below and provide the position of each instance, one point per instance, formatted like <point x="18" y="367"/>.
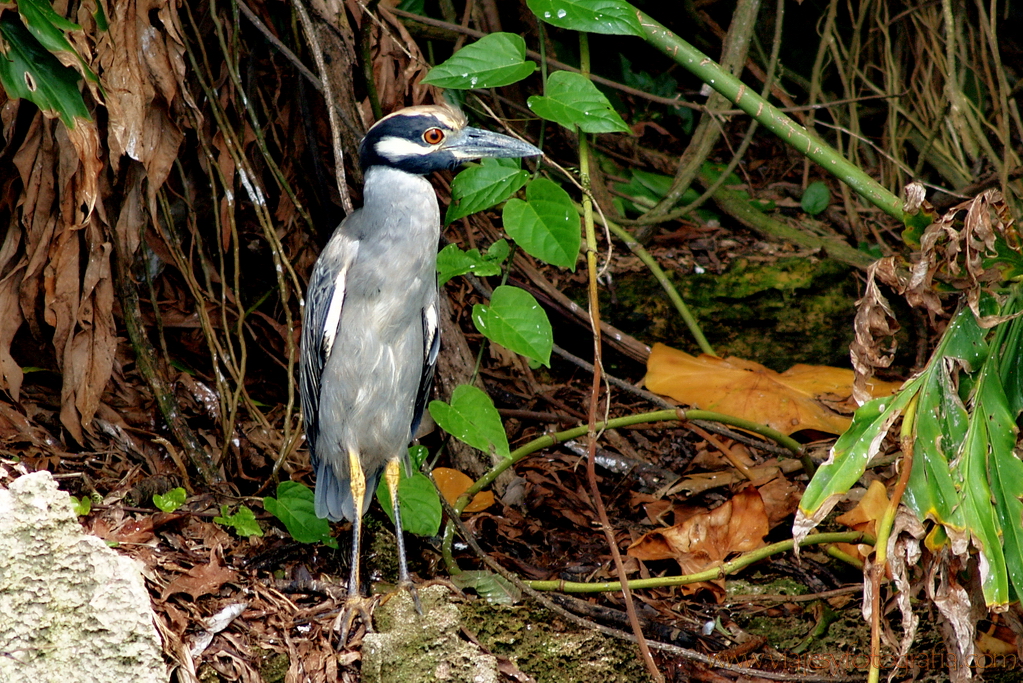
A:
<point x="615" y="17"/>
<point x="492" y="61"/>
<point x="421" y="510"/>
<point x="472" y="418"/>
<point x="481" y="187"/>
<point x="516" y="321"/>
<point x="295" y="508"/>
<point x="546" y="225"/>
<point x="572" y="100"/>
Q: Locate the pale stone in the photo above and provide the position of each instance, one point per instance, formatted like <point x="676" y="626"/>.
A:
<point x="71" y="609"/>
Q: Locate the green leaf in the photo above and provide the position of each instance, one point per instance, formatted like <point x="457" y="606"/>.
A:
<point x="854" y="449"/>
<point x="941" y="420"/>
<point x="572" y="100"/>
<point x="515" y="320"/>
<point x="417" y="455"/>
<point x="615" y="17"/>
<point x="170" y="501"/>
<point x="1006" y="471"/>
<point x="421" y="511"/>
<point x="49" y="28"/>
<point x="452" y="261"/>
<point x="81" y="507"/>
<point x="472" y="418"/>
<point x="295" y="508"/>
<point x="100" y="16"/>
<point x="963" y="341"/>
<point x="482" y="186"/>
<point x="496" y="589"/>
<point x="546" y="225"/>
<point x="27" y="70"/>
<point x="990" y="429"/>
<point x="243" y="522"/>
<point x="816" y="198"/>
<point x="492" y="61"/>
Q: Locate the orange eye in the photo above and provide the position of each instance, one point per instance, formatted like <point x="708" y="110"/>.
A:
<point x="433" y="136"/>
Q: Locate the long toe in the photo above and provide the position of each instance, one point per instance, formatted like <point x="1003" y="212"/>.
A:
<point x="355" y="605"/>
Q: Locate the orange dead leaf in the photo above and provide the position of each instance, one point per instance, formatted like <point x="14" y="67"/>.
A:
<point x="864" y="517"/>
<point x="705" y="539"/>
<point x="789" y="401"/>
<point x="453" y="483"/>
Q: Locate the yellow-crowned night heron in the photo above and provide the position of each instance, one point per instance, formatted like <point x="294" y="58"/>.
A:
<point x="370" y="336"/>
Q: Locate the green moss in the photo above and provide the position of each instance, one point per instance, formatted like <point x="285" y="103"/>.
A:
<point x="381" y="548"/>
<point x="776" y="586"/>
<point x="273" y="666"/>
<point x="794" y="310"/>
<point x="551" y="650"/>
<point x="412" y="647"/>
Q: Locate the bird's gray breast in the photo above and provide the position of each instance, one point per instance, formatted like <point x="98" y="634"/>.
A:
<point x="371" y="378"/>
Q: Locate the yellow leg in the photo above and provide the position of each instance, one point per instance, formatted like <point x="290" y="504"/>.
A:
<point x="392" y="475"/>
<point x="355" y="602"/>
<point x="357" y="481"/>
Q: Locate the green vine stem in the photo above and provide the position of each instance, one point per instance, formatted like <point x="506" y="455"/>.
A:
<point x="655" y="269"/>
<point x="805" y="141"/>
<point x="741" y="562"/>
<point x="884" y="531"/>
<point x="559" y="437"/>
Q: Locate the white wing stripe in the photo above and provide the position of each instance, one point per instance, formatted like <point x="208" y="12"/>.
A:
<point x="333" y="319"/>
<point x="431" y="331"/>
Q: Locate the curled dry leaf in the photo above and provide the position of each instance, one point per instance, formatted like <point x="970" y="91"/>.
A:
<point x="705" y="539"/>
<point x="875" y="327"/>
<point x="788" y="402"/>
<point x="961" y="250"/>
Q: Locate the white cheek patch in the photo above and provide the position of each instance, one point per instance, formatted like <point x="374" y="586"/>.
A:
<point x="395" y="149"/>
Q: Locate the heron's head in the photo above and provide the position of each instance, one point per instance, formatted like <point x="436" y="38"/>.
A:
<point x="430" y="138"/>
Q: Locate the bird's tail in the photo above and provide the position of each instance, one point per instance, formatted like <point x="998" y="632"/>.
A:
<point x="333" y="498"/>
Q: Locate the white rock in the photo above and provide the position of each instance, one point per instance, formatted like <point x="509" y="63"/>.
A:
<point x="71" y="609"/>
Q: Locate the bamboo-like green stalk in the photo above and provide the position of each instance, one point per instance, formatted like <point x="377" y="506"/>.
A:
<point x="801" y="139"/>
<point x="741" y="562"/>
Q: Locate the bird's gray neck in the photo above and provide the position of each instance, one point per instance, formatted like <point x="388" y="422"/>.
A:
<point x="399" y="202"/>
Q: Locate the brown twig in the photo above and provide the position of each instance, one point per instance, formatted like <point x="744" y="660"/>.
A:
<point x="594" y="310"/>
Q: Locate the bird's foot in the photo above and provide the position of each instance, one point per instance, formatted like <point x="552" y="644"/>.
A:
<point x="411" y="588"/>
<point x="355" y="605"/>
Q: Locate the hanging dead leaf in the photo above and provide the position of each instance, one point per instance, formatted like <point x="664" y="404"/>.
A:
<point x="11" y="374"/>
<point x="453" y="484"/>
<point x="789" y="401"/>
<point x="705" y="539"/>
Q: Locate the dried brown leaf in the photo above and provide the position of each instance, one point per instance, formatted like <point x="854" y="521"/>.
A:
<point x="202" y="579"/>
<point x="705" y="539"/>
<point x="874" y="326"/>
